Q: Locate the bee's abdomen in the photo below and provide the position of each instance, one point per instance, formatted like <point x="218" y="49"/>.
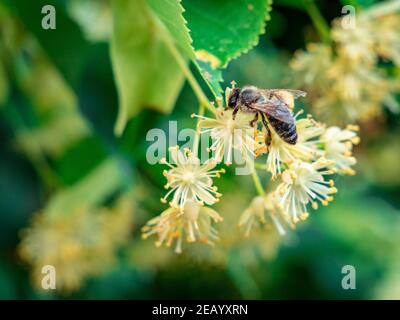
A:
<point x="287" y="131"/>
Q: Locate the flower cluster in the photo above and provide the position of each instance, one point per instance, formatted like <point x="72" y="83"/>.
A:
<point x="191" y="187"/>
<point x="302" y="174"/>
<point x="189" y="180"/>
<point x="265" y="210"/>
<point x="79" y="244"/>
<point x="229" y="135"/>
<point x="193" y="221"/>
<point x="302" y="171"/>
<point x="345" y="77"/>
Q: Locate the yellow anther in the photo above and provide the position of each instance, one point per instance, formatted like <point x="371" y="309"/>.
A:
<point x="353" y="127"/>
<point x="314" y="205"/>
<point x="304" y="216"/>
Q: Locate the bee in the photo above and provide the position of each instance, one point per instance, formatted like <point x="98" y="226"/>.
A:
<point x="271" y="104"/>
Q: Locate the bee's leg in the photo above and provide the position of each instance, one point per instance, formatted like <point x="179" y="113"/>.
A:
<point x="268" y="138"/>
<point x="254" y="121"/>
<point x="235" y="111"/>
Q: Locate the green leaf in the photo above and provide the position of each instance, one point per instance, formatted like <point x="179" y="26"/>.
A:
<point x="170" y="13"/>
<point x="146" y="72"/>
<point x="223" y="30"/>
<point x="151" y="40"/>
<point x="212" y="76"/>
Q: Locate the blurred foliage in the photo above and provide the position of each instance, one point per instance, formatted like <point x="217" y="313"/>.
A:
<point x="74" y="195"/>
<point x="147" y="73"/>
<point x="349" y="76"/>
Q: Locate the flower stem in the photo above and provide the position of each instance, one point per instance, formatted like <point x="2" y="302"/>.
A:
<point x="182" y="63"/>
<point x="260" y="166"/>
<point x="197" y="135"/>
<point x="318" y="20"/>
<point x="257" y="182"/>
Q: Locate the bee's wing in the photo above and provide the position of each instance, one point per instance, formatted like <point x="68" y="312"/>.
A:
<point x="296" y="93"/>
<point x="275" y="109"/>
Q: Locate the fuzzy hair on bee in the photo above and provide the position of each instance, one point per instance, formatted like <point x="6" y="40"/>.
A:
<point x="273" y="105"/>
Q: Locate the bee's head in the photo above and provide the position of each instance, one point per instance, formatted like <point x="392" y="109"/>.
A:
<point x="233" y="97"/>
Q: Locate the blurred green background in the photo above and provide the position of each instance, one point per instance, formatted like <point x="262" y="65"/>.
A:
<point x="58" y="107"/>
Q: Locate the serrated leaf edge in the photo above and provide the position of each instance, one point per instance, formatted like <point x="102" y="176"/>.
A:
<point x="253" y="43"/>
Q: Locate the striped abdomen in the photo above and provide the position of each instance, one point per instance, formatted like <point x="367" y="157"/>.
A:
<point x="287" y="131"/>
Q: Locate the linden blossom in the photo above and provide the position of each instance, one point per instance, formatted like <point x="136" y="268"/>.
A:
<point x="231" y="142"/>
<point x="300" y="161"/>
